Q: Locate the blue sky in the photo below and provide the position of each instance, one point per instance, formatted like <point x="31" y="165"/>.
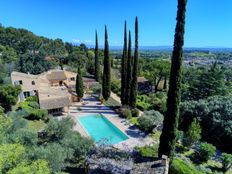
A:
<point x="208" y="21"/>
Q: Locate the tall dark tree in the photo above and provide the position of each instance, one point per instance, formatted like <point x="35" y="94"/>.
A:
<point x="134" y="85"/>
<point x="170" y="124"/>
<point x="128" y="74"/>
<point x="124" y="68"/>
<point x="69" y="47"/>
<point x="97" y="64"/>
<point x="106" y="85"/>
<point x="79" y="84"/>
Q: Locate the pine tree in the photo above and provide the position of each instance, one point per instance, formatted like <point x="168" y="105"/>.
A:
<point x="133" y="92"/>
<point x="128" y="74"/>
<point x="123" y="68"/>
<point x="170" y="124"/>
<point x="97" y="64"/>
<point x="79" y="84"/>
<point x="106" y="85"/>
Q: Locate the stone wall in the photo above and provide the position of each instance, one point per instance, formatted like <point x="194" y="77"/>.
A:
<point x="113" y="161"/>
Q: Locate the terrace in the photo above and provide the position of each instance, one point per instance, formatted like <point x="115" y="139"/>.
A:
<point x="91" y="105"/>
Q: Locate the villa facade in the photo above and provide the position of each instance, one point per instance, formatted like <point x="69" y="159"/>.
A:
<point x="55" y="89"/>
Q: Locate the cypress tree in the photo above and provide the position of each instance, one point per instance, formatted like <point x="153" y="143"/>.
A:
<point x="128" y="74"/>
<point x="170" y="124"/>
<point x="106" y="86"/>
<point x="97" y="64"/>
<point x="79" y="84"/>
<point x="123" y="67"/>
<point x="134" y="87"/>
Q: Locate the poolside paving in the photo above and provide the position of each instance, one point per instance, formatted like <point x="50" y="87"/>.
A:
<point x="92" y="105"/>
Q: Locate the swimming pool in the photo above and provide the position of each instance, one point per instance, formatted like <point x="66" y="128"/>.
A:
<point x="101" y="129"/>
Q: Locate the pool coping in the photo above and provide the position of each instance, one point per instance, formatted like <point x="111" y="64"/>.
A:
<point x="83" y="127"/>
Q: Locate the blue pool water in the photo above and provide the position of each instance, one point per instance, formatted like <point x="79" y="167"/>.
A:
<point x="101" y="129"/>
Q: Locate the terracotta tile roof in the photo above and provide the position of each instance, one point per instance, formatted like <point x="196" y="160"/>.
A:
<point x="15" y="73"/>
<point x="56" y="75"/>
<point x="53" y="103"/>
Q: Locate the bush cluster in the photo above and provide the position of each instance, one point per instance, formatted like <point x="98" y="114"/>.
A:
<point x="142" y="102"/>
<point x="32" y="111"/>
<point x="153" y="101"/>
<point x="226" y="162"/>
<point x="193" y="134"/>
<point x="23" y="150"/>
<point x="204" y="152"/>
<point x="134" y="112"/>
<point x="149" y="120"/>
<point x="124" y="112"/>
<point x="215" y="115"/>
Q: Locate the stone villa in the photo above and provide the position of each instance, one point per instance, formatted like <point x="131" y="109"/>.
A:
<point x="55" y="89"/>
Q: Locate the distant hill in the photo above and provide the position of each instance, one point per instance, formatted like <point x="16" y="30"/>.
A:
<point x="167" y="48"/>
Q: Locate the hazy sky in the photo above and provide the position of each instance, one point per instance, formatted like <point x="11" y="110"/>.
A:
<point x="209" y="22"/>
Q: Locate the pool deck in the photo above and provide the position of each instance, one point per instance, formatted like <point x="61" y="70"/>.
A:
<point x="136" y="137"/>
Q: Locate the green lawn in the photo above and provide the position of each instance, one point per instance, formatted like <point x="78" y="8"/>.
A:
<point x="36" y="125"/>
<point x="148" y="151"/>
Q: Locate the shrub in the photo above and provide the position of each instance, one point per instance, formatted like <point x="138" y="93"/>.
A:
<point x="10" y="156"/>
<point x="148" y="151"/>
<point x="56" y="130"/>
<point x="34" y="105"/>
<point x="25" y="137"/>
<point x="54" y="153"/>
<point x="1" y="110"/>
<point x="38" y="166"/>
<point x="179" y="148"/>
<point x="142" y="102"/>
<point x="134" y="120"/>
<point x="116" y="86"/>
<point x="158" y="101"/>
<point x="179" y="166"/>
<point x="33" y="111"/>
<point x="37" y="114"/>
<point x="96" y="88"/>
<point x="125" y="113"/>
<point x="31" y="99"/>
<point x="204" y="152"/>
<point x="193" y="134"/>
<point x="78" y="145"/>
<point x="226" y="162"/>
<point x="149" y="120"/>
<point x="135" y="112"/>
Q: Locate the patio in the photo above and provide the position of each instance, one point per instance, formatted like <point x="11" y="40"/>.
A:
<point x="92" y="105"/>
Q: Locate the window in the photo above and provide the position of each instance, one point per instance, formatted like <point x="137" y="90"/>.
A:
<point x="20" y="82"/>
<point x="26" y="94"/>
<point x="33" y="82"/>
<point x="54" y="111"/>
